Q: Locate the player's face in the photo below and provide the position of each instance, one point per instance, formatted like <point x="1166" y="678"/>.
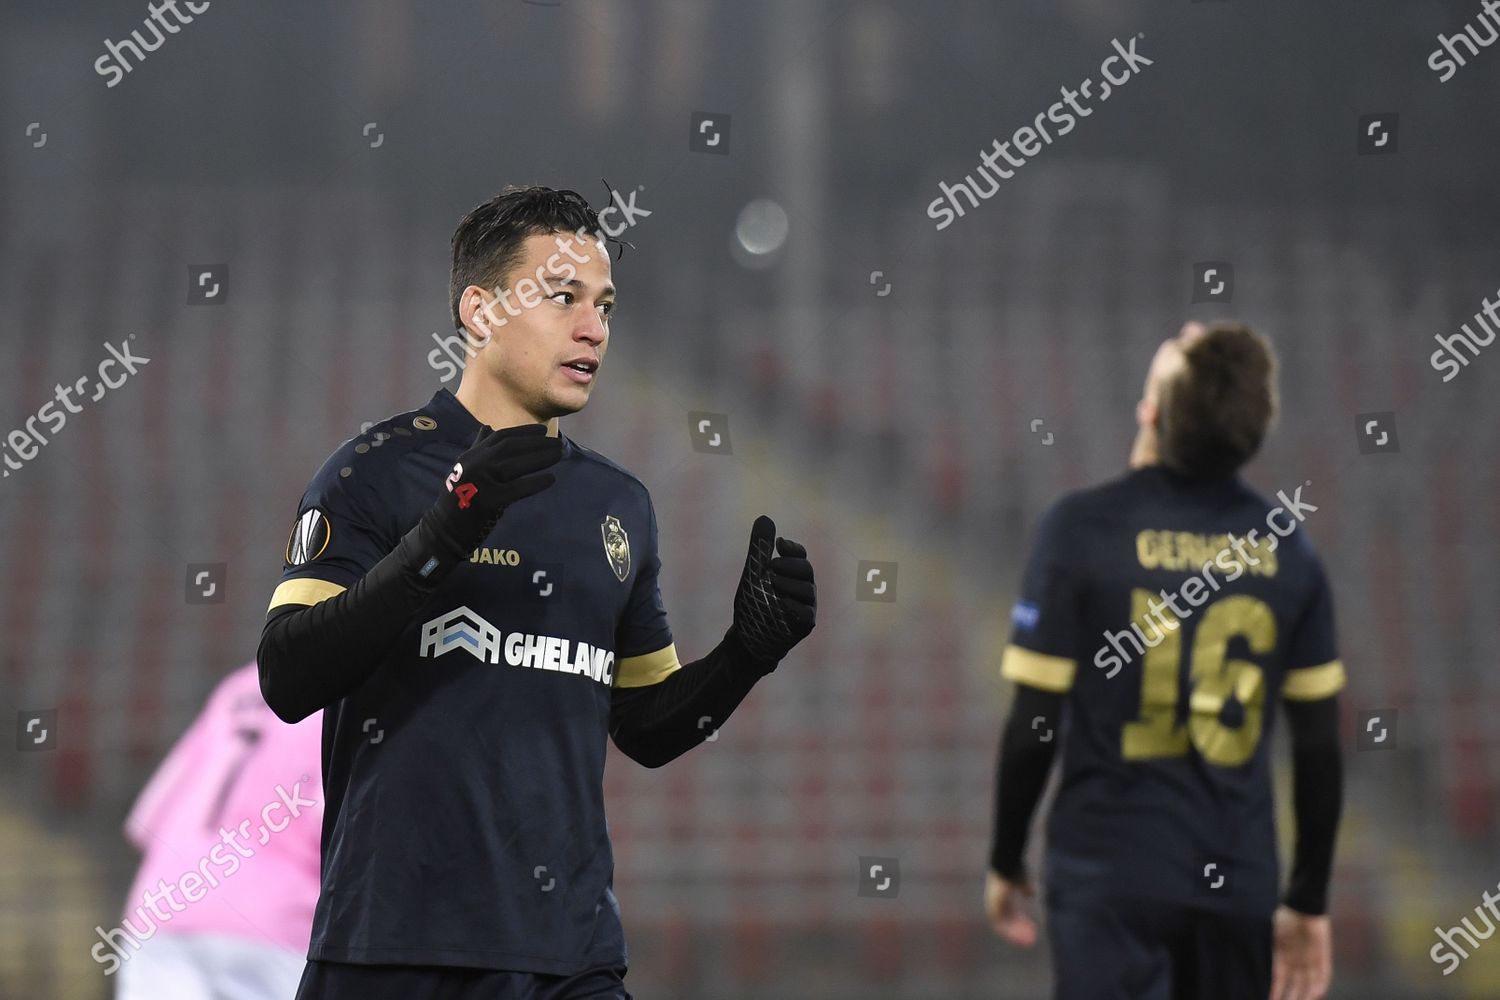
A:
<point x="555" y="307"/>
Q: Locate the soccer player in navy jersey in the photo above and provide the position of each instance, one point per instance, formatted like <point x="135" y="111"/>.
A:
<point x="1163" y="618"/>
<point x="473" y="599"/>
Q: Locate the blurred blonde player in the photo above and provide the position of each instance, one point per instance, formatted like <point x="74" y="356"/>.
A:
<point x="1162" y="877"/>
<point x="221" y="908"/>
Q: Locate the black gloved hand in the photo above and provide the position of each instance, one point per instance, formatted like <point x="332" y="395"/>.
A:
<point x="500" y="467"/>
<point x="776" y="604"/>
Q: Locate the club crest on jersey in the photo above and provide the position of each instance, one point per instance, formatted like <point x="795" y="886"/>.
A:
<point x="616" y="546"/>
<point x="309" y="538"/>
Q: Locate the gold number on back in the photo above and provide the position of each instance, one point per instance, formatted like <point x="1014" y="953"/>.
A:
<point x="1212" y="678"/>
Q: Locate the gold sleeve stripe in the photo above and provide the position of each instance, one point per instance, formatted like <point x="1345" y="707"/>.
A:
<point x="1313" y="683"/>
<point x="652" y="668"/>
<point x="1050" y="673"/>
<point x="304" y="591"/>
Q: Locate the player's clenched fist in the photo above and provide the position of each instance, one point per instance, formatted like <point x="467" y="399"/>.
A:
<point x="776" y="604"/>
<point x="500" y="467"/>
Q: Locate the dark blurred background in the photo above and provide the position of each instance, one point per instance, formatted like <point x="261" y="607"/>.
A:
<point x="313" y="160"/>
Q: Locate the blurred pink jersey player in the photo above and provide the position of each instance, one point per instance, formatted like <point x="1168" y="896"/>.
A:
<point x="229" y="824"/>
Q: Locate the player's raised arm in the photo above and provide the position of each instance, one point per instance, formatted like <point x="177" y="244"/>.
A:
<point x="321" y="640"/>
<point x="659" y="709"/>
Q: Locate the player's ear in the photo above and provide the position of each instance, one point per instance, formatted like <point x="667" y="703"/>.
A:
<point x="481" y="319"/>
<point x="1147" y="413"/>
<point x="481" y="313"/>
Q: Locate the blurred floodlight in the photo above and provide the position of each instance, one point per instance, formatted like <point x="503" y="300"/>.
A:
<point x="759" y="232"/>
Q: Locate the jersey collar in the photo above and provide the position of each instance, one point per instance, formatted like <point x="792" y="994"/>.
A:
<point x="1229" y="484"/>
<point x="455" y="423"/>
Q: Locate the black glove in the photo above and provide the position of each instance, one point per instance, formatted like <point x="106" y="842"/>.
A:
<point x="500" y="467"/>
<point x="776" y="604"/>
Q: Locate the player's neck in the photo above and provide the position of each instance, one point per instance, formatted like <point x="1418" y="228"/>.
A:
<point x="495" y="409"/>
<point x="1143" y="452"/>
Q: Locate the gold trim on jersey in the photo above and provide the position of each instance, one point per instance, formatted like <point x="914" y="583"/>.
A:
<point x="1050" y="673"/>
<point x="304" y="590"/>
<point x="1314" y="683"/>
<point x="651" y="668"/>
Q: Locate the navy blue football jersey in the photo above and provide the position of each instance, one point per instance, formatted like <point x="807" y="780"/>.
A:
<point x="464" y="820"/>
<point x="1175" y="617"/>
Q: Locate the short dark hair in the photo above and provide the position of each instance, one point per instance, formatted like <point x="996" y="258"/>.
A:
<point x="487" y="243"/>
<point x="1215" y="410"/>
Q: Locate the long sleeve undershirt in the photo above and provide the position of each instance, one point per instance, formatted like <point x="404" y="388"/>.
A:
<point x="312" y="656"/>
<point x="652" y="725"/>
<point x="1026" y="755"/>
<point x="1317" y="800"/>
